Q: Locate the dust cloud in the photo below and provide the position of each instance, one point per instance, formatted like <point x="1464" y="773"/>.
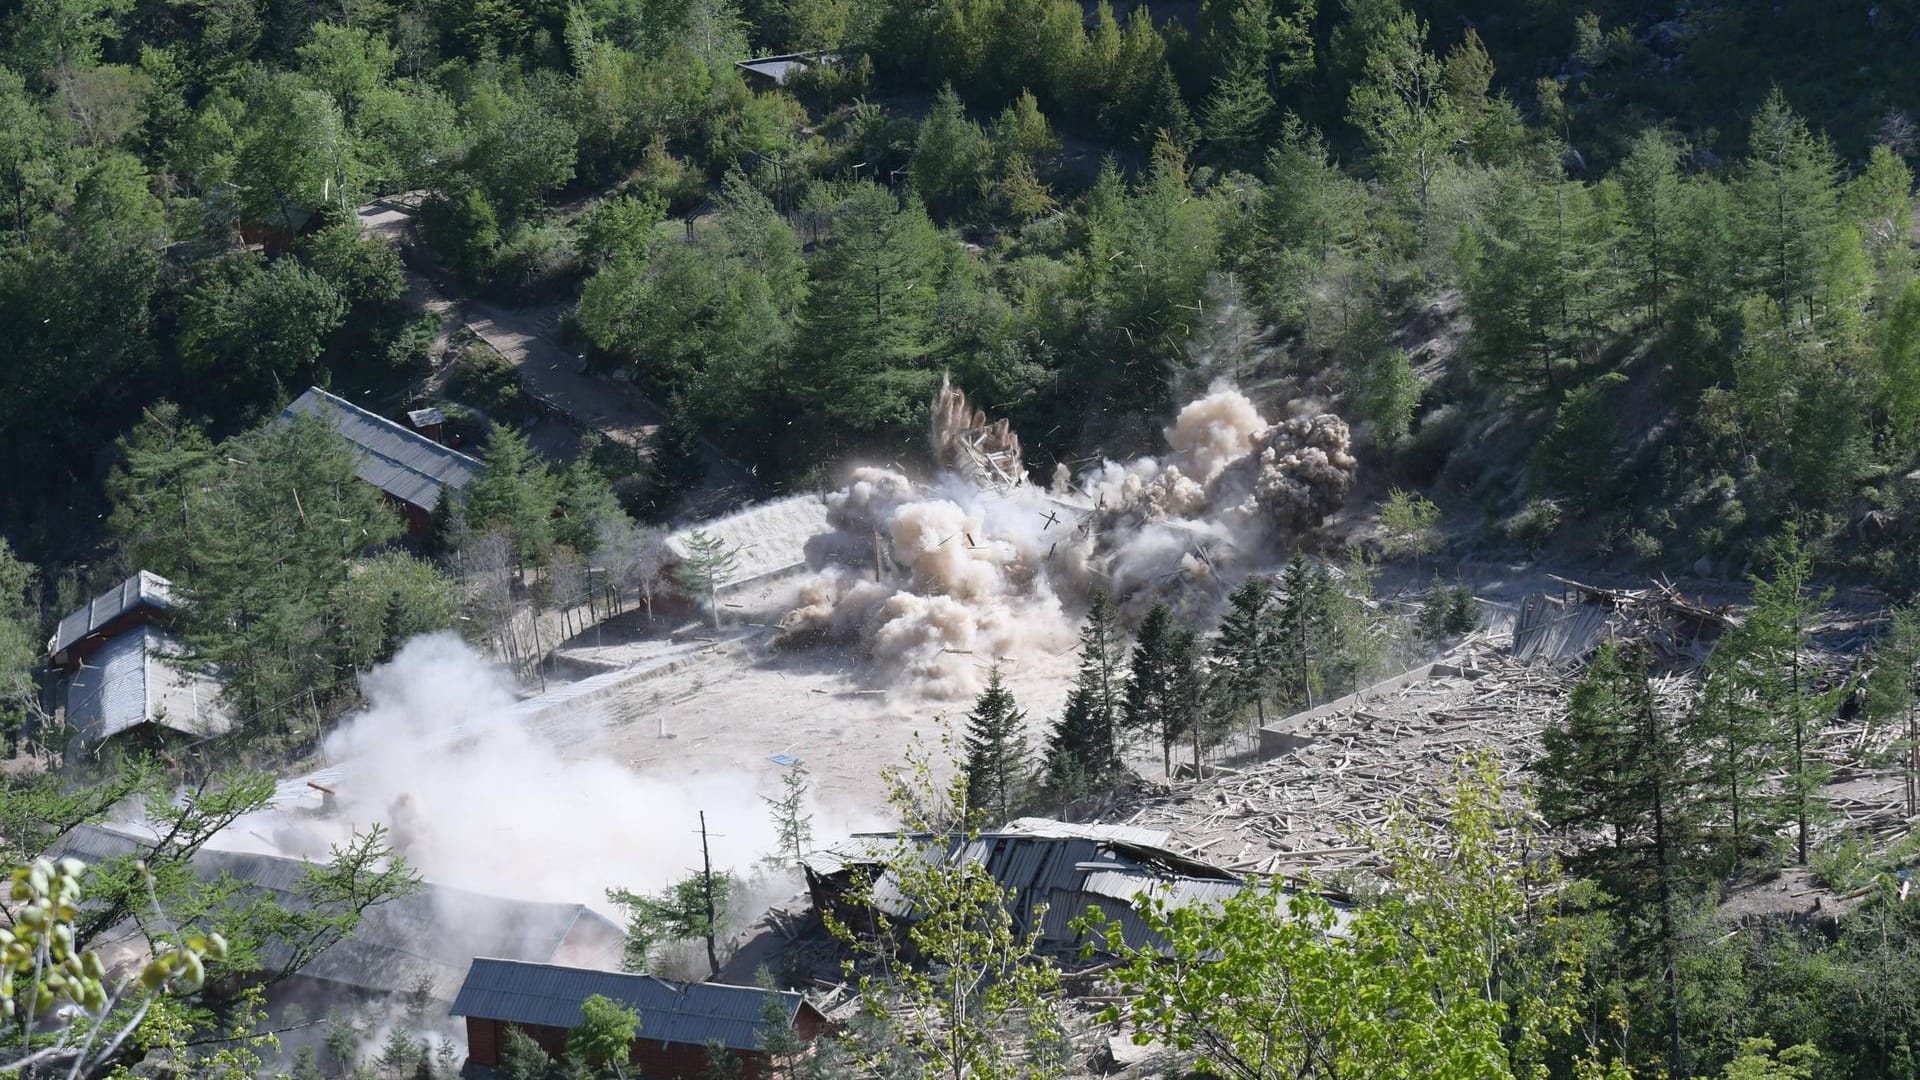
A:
<point x="939" y="581"/>
<point x="479" y="798"/>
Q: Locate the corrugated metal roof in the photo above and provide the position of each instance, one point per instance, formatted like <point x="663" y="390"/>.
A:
<point x="1557" y="633"/>
<point x="143" y="589"/>
<point x="129" y="682"/>
<point x="784" y="67"/>
<point x="1048" y="864"/>
<point x="550" y="996"/>
<point x="434" y="933"/>
<point x="403" y="463"/>
<point x="1127" y="834"/>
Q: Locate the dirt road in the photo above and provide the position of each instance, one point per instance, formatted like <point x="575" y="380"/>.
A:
<point x="526" y="339"/>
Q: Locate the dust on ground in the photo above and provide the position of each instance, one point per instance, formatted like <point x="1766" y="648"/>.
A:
<point x="733" y="705"/>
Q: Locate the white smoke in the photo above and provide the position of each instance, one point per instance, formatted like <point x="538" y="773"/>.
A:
<point x="479" y="798"/>
<point x="938" y="582"/>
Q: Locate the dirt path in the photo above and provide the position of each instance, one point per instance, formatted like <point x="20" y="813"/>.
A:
<point x="527" y="339"/>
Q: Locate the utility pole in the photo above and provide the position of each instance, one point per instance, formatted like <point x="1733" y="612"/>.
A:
<point x="706" y="882"/>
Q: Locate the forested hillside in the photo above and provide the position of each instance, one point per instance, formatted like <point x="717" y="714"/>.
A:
<point x="1654" y="306"/>
<point x="1603" y="286"/>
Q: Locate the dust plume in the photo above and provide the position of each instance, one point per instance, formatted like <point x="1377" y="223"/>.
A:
<point x="481" y="798"/>
<point x="938" y="581"/>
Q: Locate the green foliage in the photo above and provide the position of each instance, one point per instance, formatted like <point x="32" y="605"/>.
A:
<point x="1244" y="657"/>
<point x="707" y="563"/>
<point x="584" y="507"/>
<point x="254" y="327"/>
<point x="1788" y="190"/>
<point x="1163" y="701"/>
<point x="860" y="363"/>
<point x="676" y="466"/>
<point x="464" y="229"/>
<point x="604" y="1034"/>
<point x="1386" y="393"/>
<point x="1403" y="111"/>
<point x="621" y="227"/>
<point x="676" y="913"/>
<point x="1084" y="749"/>
<point x="1409" y="524"/>
<point x="996" y="764"/>
<point x="1574" y="461"/>
<point x="792" y="822"/>
<point x="952" y="160"/>
<point x="387" y="600"/>
<point x="514" y="491"/>
<point x="1260" y="987"/>
<point x="521" y="1058"/>
<point x="19" y="643"/>
<point x="977" y="1000"/>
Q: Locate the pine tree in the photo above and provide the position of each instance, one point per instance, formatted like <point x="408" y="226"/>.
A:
<point x="1788" y="190"/>
<point x="1402" y="109"/>
<point x="1890" y="697"/>
<point x="1618" y="763"/>
<point x="1651" y="187"/>
<point x="1084" y="749"/>
<point x="1774" y="639"/>
<point x="1237" y="112"/>
<point x="1187" y="695"/>
<point x="1158" y="703"/>
<point x="1243" y="658"/>
<point x="708" y="562"/>
<point x="996" y="761"/>
<point x="792" y="824"/>
<point x="1301" y="634"/>
<point x="677" y="464"/>
<point x="514" y="491"/>
<point x="585" y="503"/>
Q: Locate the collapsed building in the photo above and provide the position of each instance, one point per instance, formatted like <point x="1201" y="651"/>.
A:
<point x="424" y="940"/>
<point x="681" y="1024"/>
<point x="1055" y="868"/>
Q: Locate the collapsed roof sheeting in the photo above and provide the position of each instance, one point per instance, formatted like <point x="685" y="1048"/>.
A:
<point x="1565" y="629"/>
<point x="1040" y="863"/>
<point x="432" y="934"/>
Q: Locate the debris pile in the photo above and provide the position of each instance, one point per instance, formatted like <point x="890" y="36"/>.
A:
<point x="1566" y="628"/>
<point x="967" y="444"/>
<point x="1309" y="809"/>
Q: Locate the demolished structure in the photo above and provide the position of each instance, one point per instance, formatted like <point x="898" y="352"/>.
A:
<point x="1062" y="868"/>
<point x="424" y="939"/>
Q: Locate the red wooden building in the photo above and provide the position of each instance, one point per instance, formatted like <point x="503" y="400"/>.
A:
<point x="678" y="1021"/>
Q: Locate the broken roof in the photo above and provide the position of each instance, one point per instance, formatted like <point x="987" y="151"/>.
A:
<point x="401" y="462"/>
<point x="143" y="589"/>
<point x="549" y="996"/>
<point x="1066" y="867"/>
<point x="434" y="933"/>
<point x="780" y="69"/>
<point x="131" y="682"/>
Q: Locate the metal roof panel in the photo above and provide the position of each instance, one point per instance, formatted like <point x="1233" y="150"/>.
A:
<point x="550" y="995"/>
<point x="399" y="461"/>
